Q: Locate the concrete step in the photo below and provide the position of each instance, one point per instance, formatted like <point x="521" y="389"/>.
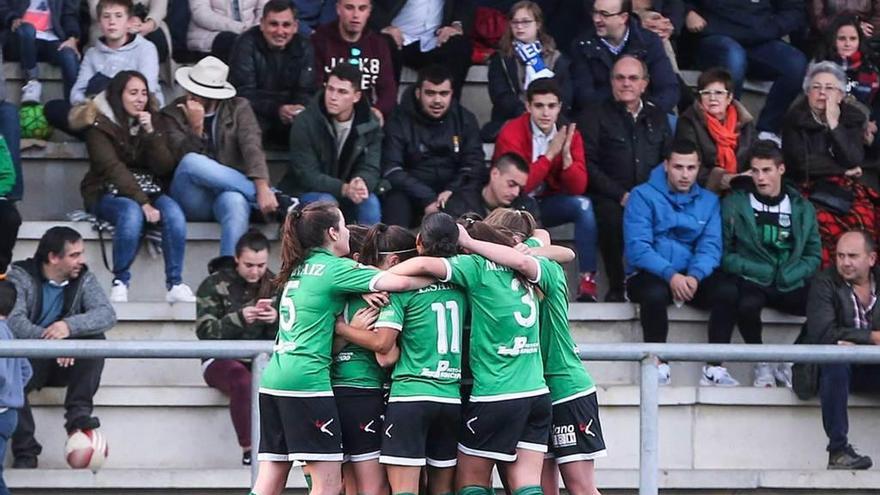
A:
<point x="222" y="481"/>
<point x="60" y="167"/>
<point x="700" y="428"/>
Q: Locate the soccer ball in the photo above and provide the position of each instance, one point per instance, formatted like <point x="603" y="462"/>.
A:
<point x="86" y="449"/>
<point x="33" y="122"/>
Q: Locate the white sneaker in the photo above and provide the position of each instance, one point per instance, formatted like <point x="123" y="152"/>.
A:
<point x="119" y="292"/>
<point x="717" y="376"/>
<point x="770" y="136"/>
<point x="180" y="293"/>
<point x="663" y="374"/>
<point x="782" y="374"/>
<point x="31" y="92"/>
<point x="764" y="376"/>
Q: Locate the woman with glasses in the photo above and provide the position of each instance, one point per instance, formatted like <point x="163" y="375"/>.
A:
<point x="822" y="143"/>
<point x="845" y="45"/>
<point x="525" y="53"/>
<point x="720" y="127"/>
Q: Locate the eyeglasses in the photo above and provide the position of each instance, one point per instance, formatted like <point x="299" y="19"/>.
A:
<point x="713" y="93"/>
<point x="624" y="77"/>
<point x="818" y="88"/>
<point x="605" y="14"/>
<point x="522" y="22"/>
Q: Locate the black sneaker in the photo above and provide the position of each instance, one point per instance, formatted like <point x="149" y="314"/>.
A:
<point x="83" y="423"/>
<point x="246" y="458"/>
<point x="25" y="462"/>
<point x="848" y="458"/>
<point x="615" y="296"/>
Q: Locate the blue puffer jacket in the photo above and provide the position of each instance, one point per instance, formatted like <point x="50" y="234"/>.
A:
<point x="667" y="232"/>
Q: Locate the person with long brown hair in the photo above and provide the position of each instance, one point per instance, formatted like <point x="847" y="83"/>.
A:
<point x="299" y="420"/>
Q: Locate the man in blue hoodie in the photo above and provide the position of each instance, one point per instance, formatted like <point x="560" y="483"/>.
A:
<point x="14" y="374"/>
<point x="672" y="245"/>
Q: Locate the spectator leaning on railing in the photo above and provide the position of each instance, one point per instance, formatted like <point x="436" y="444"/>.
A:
<point x="58" y="298"/>
<point x="235" y="303"/>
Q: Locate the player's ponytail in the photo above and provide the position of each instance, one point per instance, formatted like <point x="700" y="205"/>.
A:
<point x="356" y="235"/>
<point x="304" y="229"/>
<point x="520" y="222"/>
<point x="383" y="240"/>
<point x="439" y="235"/>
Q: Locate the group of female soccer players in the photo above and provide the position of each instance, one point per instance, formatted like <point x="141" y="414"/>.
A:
<point x="469" y="325"/>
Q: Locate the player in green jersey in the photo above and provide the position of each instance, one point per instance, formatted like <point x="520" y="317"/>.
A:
<point x="357" y="377"/>
<point x="508" y="417"/>
<point x="298" y="416"/>
<point x="424" y="408"/>
<point x="576" y="438"/>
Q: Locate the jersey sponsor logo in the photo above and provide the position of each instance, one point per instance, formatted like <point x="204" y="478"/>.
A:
<point x="585" y="428"/>
<point x="520" y="346"/>
<point x="434" y="288"/>
<point x="310" y="269"/>
<point x="443" y="371"/>
<point x="388" y="430"/>
<point x="284" y="347"/>
<point x="322" y="426"/>
<point x="344" y="356"/>
<point x="470" y="424"/>
<point x="368" y="427"/>
<point x="564" y="436"/>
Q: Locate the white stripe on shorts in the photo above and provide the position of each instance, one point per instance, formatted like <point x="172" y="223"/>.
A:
<point x="369" y="456"/>
<point x="442" y="464"/>
<point x="400" y="461"/>
<point x="537" y="447"/>
<point x="272" y="457"/>
<point x="485" y="453"/>
<point x="582" y="457"/>
<point x="306" y="456"/>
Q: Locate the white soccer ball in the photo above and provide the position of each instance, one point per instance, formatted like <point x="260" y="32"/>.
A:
<point x="86" y="449"/>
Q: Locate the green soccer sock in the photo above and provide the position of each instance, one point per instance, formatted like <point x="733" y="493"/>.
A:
<point x="476" y="490"/>
<point x="308" y="478"/>
<point x="529" y="490"/>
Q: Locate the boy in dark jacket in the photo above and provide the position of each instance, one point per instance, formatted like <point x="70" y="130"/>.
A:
<point x="231" y="306"/>
<point x="271" y="65"/>
<point x="431" y="144"/>
<point x="335" y="145"/>
<point x="45" y="31"/>
<point x="14" y="375"/>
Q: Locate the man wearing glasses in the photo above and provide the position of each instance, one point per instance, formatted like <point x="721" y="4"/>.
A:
<point x="272" y="66"/>
<point x="625" y="137"/>
<point x="616" y="32"/>
<point x="745" y="38"/>
<point x="350" y="40"/>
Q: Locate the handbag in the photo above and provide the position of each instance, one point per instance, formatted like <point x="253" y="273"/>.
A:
<point x="832" y="197"/>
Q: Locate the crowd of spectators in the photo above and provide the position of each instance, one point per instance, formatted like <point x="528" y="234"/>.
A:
<point x="688" y="196"/>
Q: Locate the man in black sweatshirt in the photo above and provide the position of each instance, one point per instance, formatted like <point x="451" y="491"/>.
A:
<point x="431" y="145"/>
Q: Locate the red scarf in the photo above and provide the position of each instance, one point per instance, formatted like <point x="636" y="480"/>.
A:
<point x="726" y="138"/>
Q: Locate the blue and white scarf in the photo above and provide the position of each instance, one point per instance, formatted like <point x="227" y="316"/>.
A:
<point x="530" y="55"/>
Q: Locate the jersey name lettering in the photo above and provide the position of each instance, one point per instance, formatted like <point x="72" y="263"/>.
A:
<point x="314" y="270"/>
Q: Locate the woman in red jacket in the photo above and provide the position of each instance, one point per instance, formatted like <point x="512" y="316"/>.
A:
<point x="557" y="172"/>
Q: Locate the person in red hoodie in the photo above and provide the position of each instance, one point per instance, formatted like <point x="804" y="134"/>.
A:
<point x="557" y="172"/>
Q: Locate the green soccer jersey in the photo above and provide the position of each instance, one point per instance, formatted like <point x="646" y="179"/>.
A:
<point x="563" y="369"/>
<point x="430" y="321"/>
<point x="315" y="293"/>
<point x="354" y="366"/>
<point x="533" y="242"/>
<point x="505" y="355"/>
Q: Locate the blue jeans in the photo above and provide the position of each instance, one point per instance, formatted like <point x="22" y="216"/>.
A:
<point x="128" y="219"/>
<point x="369" y="212"/>
<point x="209" y="191"/>
<point x="31" y="49"/>
<point x="775" y="61"/>
<point x="313" y="13"/>
<point x="8" y="421"/>
<point x="10" y="129"/>
<point x="836" y="380"/>
<point x="561" y="208"/>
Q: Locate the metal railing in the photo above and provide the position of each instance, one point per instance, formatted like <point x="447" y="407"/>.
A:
<point x="646" y="354"/>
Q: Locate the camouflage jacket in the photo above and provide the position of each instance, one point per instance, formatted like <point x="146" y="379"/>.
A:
<point x="220" y="299"/>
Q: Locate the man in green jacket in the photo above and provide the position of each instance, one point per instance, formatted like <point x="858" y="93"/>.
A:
<point x="335" y="148"/>
<point x="771" y="250"/>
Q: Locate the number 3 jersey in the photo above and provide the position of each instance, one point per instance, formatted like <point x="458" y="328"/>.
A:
<point x="315" y="293"/>
<point x="505" y="354"/>
<point x="430" y="322"/>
